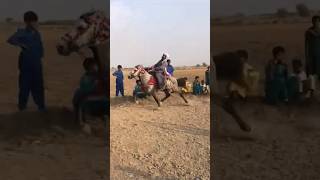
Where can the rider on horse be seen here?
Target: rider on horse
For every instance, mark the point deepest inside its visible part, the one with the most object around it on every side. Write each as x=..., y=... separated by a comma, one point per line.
x=160, y=70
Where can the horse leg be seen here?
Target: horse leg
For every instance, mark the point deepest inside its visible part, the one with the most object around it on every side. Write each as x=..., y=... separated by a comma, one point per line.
x=82, y=116
x=156, y=99
x=167, y=95
x=228, y=106
x=77, y=115
x=182, y=96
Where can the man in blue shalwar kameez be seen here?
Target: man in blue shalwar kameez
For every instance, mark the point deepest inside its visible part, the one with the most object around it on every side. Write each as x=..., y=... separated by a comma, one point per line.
x=119, y=81
x=30, y=65
x=312, y=50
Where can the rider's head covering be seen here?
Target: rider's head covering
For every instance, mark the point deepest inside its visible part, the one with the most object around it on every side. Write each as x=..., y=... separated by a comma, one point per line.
x=166, y=54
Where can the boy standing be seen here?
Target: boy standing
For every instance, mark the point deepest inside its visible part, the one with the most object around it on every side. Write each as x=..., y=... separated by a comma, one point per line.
x=119, y=81
x=197, y=88
x=276, y=77
x=30, y=65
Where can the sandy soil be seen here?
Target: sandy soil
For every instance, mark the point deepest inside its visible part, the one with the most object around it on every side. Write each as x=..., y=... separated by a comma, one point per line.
x=284, y=142
x=45, y=146
x=167, y=143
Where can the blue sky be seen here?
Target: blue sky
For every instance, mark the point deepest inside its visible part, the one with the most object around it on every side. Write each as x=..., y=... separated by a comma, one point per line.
x=141, y=30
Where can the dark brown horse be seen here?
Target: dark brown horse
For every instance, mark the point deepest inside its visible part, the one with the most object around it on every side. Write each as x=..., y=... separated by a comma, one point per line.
x=226, y=66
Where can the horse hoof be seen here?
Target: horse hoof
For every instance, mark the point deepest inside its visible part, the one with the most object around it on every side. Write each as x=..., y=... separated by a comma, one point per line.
x=157, y=108
x=86, y=128
x=246, y=128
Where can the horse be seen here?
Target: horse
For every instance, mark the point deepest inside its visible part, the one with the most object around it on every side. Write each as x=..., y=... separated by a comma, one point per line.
x=226, y=66
x=92, y=32
x=150, y=86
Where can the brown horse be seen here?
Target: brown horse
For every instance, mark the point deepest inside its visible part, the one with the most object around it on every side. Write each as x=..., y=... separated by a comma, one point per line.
x=226, y=66
x=149, y=84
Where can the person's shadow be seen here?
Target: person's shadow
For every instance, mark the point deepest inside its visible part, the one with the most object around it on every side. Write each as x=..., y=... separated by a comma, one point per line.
x=35, y=123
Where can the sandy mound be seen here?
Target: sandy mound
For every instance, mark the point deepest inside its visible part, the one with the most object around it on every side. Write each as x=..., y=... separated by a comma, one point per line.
x=167, y=143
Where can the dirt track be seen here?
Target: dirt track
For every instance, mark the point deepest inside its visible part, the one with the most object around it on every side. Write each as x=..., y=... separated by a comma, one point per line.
x=284, y=143
x=167, y=143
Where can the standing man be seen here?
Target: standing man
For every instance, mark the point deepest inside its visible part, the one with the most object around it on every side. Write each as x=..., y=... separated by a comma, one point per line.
x=312, y=50
x=30, y=65
x=207, y=77
x=119, y=81
x=170, y=68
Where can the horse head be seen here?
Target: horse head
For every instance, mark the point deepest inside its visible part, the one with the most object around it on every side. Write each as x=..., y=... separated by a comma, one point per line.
x=92, y=29
x=136, y=72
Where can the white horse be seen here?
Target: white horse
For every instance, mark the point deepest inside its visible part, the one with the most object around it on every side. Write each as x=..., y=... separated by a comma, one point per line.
x=90, y=33
x=150, y=85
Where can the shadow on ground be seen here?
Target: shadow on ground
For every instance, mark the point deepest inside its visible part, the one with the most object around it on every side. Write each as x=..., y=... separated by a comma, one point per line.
x=182, y=129
x=132, y=172
x=35, y=123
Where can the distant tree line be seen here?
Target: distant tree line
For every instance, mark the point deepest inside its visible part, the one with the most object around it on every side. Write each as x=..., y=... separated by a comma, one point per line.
x=301, y=9
x=202, y=65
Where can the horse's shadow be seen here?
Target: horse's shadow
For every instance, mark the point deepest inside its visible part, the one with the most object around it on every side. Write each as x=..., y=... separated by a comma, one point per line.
x=141, y=174
x=181, y=129
x=35, y=123
x=118, y=101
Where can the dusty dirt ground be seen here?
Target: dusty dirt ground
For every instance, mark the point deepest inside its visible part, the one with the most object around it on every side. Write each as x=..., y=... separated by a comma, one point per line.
x=45, y=146
x=172, y=142
x=284, y=142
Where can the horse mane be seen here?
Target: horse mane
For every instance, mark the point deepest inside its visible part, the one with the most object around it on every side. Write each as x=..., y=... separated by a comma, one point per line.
x=98, y=18
x=86, y=15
